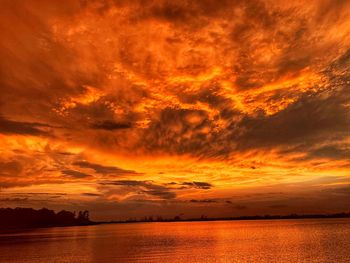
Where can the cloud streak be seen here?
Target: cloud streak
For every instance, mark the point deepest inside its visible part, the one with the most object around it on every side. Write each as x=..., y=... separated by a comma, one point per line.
x=101, y=169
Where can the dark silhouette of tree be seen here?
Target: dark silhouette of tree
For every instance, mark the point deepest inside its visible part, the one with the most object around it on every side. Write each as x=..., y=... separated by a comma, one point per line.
x=203, y=217
x=28, y=217
x=83, y=217
x=65, y=218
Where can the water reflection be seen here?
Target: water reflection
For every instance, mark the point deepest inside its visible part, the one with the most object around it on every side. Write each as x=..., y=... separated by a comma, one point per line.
x=225, y=241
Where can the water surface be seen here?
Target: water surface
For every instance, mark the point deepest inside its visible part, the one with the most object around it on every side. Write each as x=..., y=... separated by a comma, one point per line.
x=325, y=240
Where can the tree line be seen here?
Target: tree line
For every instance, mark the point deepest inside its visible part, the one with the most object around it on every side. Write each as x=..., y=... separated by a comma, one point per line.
x=29, y=217
x=254, y=217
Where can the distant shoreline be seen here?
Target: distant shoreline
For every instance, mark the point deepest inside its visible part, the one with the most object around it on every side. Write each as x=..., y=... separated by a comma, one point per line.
x=242, y=218
x=19, y=219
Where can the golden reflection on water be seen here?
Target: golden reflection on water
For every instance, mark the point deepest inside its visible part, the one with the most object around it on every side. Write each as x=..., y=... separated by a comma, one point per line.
x=221, y=241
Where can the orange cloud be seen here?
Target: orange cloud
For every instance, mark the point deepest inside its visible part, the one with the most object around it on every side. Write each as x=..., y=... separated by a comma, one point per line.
x=180, y=105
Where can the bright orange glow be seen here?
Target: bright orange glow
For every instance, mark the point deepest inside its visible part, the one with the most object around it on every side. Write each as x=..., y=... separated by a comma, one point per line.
x=242, y=106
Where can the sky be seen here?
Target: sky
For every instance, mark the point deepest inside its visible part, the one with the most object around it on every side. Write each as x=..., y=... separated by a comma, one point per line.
x=137, y=108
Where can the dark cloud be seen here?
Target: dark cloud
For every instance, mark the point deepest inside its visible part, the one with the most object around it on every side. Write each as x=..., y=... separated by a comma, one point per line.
x=75, y=174
x=309, y=119
x=91, y=194
x=29, y=197
x=66, y=153
x=42, y=194
x=161, y=193
x=177, y=130
x=146, y=187
x=101, y=169
x=10, y=168
x=203, y=201
x=22, y=128
x=322, y=116
x=330, y=152
x=186, y=13
x=200, y=185
x=128, y=183
x=111, y=125
x=312, y=117
x=187, y=185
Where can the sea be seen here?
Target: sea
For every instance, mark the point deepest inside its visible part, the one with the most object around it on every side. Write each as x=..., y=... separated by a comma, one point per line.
x=301, y=240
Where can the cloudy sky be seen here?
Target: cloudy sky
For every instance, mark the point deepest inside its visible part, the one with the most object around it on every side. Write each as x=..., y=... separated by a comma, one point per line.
x=134, y=108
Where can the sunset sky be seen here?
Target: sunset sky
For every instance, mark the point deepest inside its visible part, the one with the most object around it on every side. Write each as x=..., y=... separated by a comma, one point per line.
x=134, y=108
